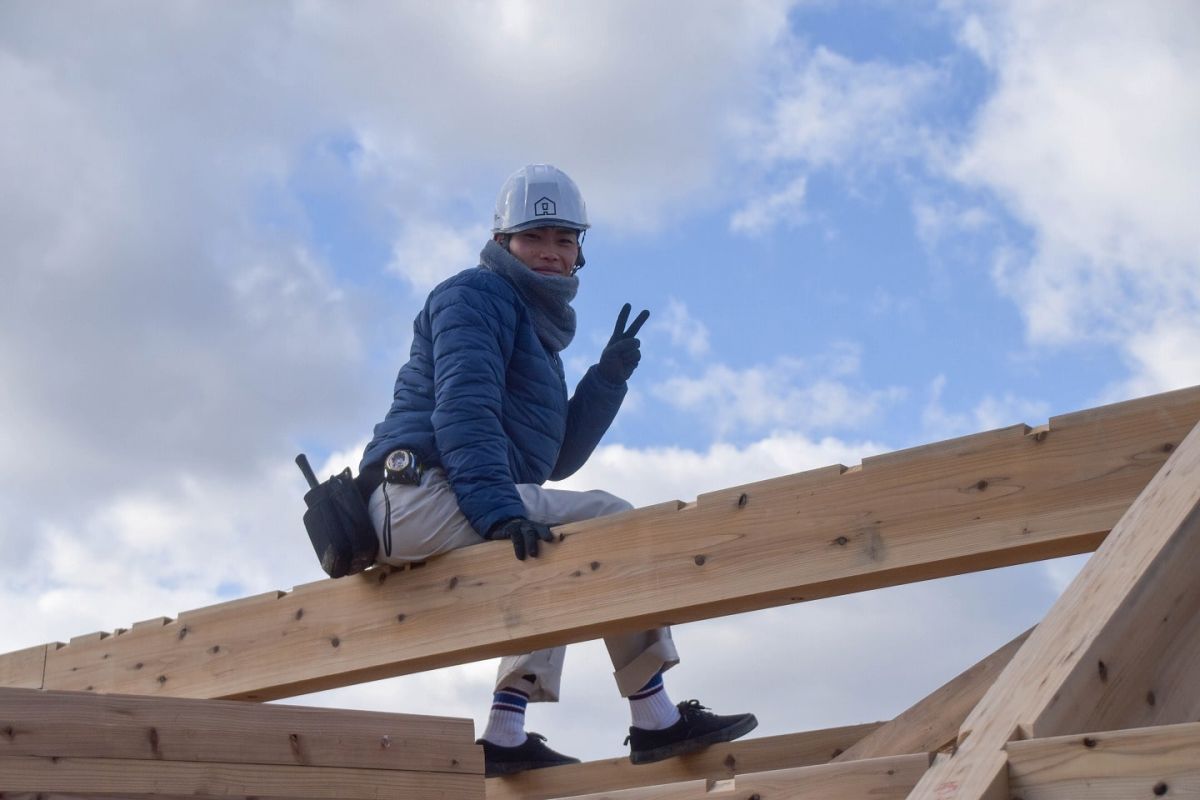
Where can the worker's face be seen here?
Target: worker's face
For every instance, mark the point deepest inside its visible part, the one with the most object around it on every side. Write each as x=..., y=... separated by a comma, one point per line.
x=546, y=251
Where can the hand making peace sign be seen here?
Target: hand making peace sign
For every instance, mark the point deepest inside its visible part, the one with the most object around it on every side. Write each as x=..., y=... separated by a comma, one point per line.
x=623, y=351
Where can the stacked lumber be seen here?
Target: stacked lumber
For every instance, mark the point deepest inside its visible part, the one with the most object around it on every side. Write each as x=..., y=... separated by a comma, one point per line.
x=84, y=745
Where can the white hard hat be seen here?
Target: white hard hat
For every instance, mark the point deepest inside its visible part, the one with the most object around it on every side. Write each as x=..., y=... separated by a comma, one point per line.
x=537, y=196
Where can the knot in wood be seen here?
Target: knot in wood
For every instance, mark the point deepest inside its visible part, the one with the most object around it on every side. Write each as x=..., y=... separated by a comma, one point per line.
x=299, y=614
x=1160, y=789
x=743, y=500
x=1089, y=742
x=700, y=560
x=335, y=641
x=1102, y=670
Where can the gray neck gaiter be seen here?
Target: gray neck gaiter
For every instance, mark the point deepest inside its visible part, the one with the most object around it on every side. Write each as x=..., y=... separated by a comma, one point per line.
x=547, y=297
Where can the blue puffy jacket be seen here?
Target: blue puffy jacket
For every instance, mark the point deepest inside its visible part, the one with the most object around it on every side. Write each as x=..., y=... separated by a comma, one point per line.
x=482, y=398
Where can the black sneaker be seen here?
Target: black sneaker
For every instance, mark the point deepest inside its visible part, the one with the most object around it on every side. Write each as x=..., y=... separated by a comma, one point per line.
x=532, y=754
x=696, y=729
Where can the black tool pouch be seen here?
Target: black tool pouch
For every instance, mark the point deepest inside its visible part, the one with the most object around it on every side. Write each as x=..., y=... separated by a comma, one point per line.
x=338, y=523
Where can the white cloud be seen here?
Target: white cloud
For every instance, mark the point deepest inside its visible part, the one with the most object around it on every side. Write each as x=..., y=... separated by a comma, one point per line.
x=468, y=112
x=828, y=112
x=684, y=330
x=763, y=213
x=171, y=303
x=987, y=414
x=1164, y=356
x=936, y=221
x=656, y=474
x=197, y=541
x=1089, y=140
x=789, y=393
x=429, y=252
x=831, y=109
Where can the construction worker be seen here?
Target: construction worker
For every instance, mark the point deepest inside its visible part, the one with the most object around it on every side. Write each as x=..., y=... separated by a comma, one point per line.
x=481, y=419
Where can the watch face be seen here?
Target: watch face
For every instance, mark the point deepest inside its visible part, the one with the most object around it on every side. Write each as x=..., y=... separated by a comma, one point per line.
x=398, y=460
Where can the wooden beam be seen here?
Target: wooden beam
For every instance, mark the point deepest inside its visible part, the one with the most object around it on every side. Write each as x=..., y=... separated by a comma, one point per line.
x=1168, y=693
x=1117, y=765
x=37, y=725
x=24, y=669
x=1099, y=643
x=719, y=762
x=888, y=778
x=979, y=502
x=131, y=778
x=932, y=723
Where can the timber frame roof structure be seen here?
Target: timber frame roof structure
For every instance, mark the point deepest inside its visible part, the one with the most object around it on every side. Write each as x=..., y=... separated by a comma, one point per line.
x=1100, y=700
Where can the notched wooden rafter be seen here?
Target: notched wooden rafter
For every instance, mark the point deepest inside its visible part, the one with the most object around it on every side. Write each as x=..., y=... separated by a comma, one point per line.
x=978, y=502
x=1102, y=645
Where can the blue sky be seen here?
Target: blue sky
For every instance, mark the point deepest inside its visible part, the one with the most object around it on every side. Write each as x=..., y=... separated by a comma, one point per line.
x=858, y=227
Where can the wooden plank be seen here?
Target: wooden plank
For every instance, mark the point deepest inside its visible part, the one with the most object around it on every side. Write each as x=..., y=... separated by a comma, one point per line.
x=983, y=502
x=24, y=668
x=888, y=778
x=1169, y=694
x=719, y=762
x=932, y=723
x=128, y=777
x=1116, y=765
x=83, y=725
x=1099, y=642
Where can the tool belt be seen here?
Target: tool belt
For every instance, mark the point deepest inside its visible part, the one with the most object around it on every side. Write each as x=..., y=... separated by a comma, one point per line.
x=338, y=523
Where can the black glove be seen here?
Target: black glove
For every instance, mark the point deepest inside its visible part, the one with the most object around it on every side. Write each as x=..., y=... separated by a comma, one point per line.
x=623, y=352
x=524, y=533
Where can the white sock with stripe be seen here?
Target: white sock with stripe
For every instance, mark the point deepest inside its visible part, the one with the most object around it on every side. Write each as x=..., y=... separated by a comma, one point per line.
x=506, y=722
x=651, y=707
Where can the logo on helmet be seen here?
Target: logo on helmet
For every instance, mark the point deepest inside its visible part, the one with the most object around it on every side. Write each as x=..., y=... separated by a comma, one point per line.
x=544, y=208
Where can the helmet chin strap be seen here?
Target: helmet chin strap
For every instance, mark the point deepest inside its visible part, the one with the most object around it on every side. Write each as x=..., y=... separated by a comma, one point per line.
x=579, y=259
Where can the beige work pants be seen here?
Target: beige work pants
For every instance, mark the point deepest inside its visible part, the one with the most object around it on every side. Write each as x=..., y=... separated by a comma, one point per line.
x=426, y=522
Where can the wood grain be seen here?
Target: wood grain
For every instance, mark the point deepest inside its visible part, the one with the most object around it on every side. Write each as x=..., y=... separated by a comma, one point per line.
x=973, y=503
x=1104, y=638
